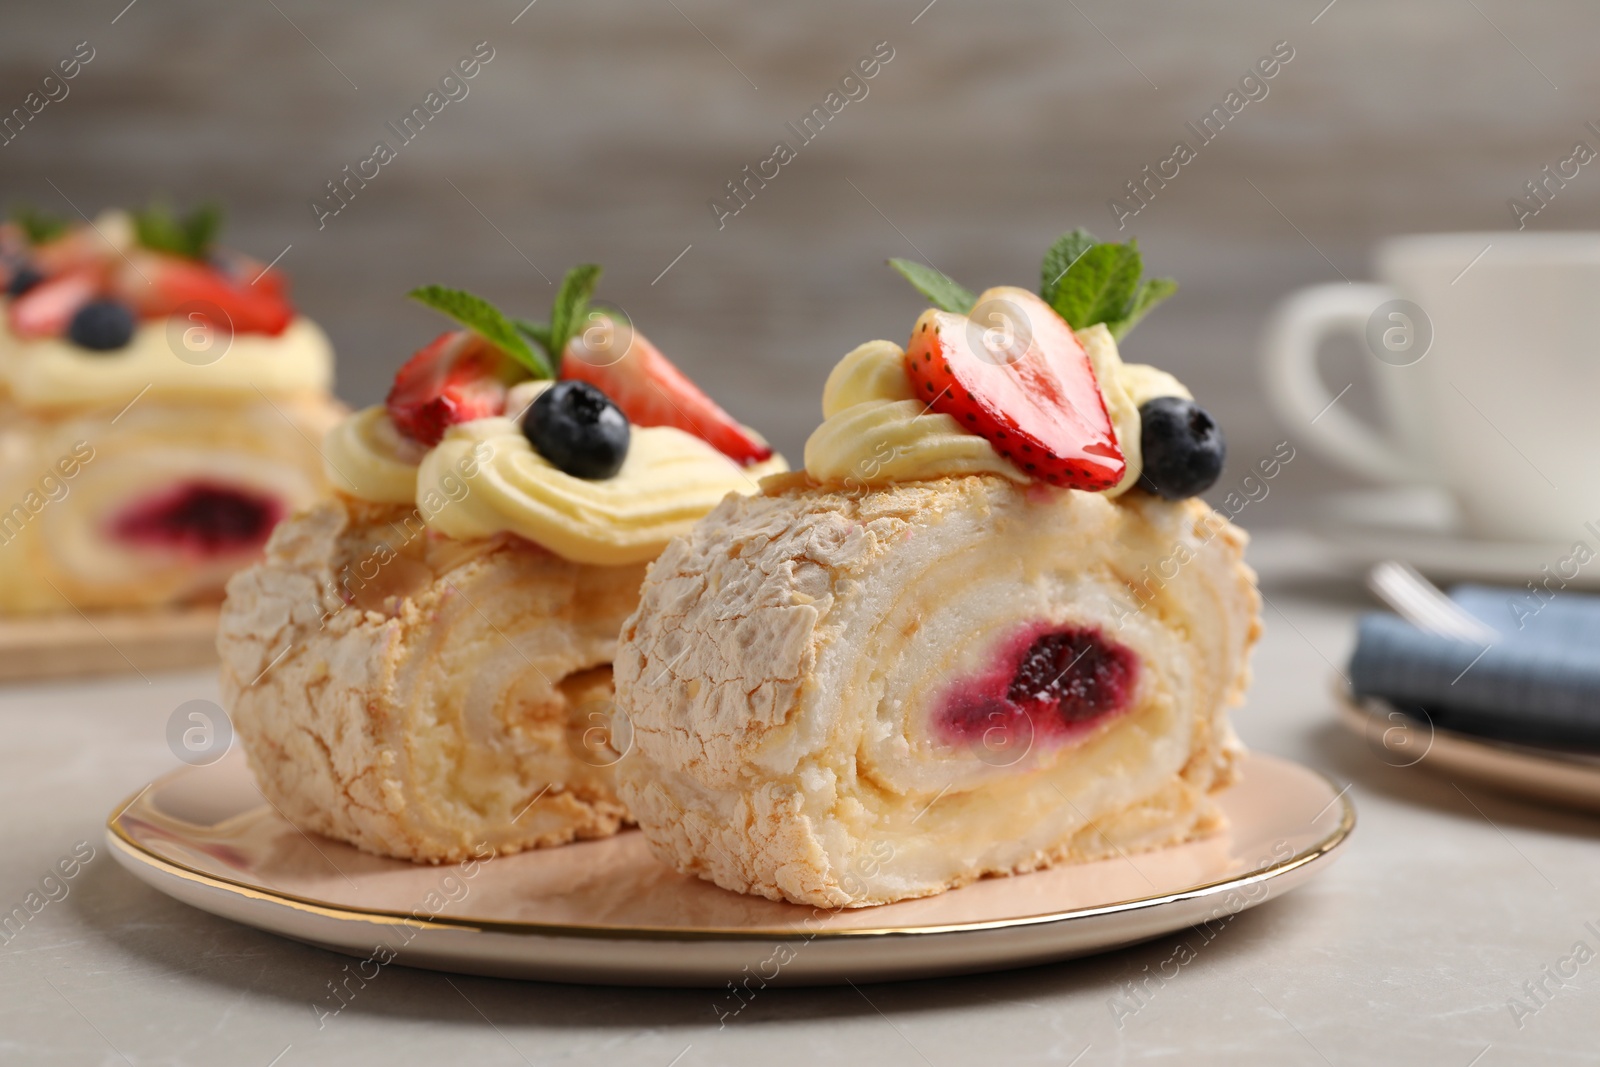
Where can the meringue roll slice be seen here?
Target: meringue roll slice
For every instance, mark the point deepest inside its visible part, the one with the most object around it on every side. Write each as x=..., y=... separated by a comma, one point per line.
x=981, y=633
x=422, y=697
x=150, y=507
x=160, y=400
x=422, y=666
x=844, y=699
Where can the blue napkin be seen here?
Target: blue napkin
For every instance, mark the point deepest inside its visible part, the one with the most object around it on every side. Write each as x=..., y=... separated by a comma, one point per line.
x=1538, y=683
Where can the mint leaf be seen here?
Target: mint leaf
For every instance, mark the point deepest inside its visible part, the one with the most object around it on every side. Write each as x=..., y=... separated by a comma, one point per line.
x=537, y=332
x=1088, y=282
x=485, y=320
x=1067, y=250
x=191, y=237
x=1149, y=295
x=202, y=227
x=38, y=226
x=1099, y=286
x=570, y=307
x=946, y=293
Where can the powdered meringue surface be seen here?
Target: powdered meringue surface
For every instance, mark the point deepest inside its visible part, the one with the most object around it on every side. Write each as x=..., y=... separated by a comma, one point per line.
x=788, y=659
x=420, y=697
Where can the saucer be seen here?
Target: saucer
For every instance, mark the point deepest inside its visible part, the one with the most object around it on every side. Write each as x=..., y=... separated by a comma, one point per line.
x=1416, y=525
x=1548, y=775
x=609, y=912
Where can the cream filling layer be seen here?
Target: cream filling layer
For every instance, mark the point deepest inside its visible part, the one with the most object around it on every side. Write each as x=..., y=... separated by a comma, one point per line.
x=485, y=478
x=366, y=457
x=875, y=432
x=172, y=358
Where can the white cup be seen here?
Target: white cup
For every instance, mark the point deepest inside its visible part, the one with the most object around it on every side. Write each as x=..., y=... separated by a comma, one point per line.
x=1486, y=354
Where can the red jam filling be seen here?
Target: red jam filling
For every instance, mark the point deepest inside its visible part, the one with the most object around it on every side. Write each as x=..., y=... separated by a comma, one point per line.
x=200, y=519
x=1049, y=684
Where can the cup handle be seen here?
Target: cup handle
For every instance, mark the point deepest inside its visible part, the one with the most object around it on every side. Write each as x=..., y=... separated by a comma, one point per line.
x=1295, y=389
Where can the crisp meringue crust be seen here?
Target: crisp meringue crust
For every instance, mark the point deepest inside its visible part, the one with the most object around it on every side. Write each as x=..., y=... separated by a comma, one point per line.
x=784, y=668
x=421, y=697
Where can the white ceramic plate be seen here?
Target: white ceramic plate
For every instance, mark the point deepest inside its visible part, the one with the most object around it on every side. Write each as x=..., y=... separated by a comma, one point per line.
x=1549, y=775
x=1415, y=525
x=608, y=912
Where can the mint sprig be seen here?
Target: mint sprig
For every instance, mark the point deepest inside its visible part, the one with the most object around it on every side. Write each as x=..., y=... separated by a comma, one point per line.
x=571, y=307
x=537, y=332
x=38, y=226
x=945, y=292
x=485, y=320
x=1085, y=280
x=1068, y=249
x=1088, y=281
x=1147, y=296
x=190, y=236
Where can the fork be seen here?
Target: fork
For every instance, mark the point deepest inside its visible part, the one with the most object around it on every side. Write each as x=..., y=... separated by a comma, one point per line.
x=1423, y=605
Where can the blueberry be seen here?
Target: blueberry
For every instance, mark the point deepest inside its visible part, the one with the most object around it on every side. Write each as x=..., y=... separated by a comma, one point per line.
x=1182, y=445
x=24, y=279
x=578, y=429
x=102, y=325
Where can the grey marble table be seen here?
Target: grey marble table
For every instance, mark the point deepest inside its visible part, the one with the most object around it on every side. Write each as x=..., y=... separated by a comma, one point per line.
x=1412, y=948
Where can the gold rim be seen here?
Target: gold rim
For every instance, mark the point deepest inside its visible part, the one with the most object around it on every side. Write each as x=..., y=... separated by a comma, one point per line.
x=119, y=838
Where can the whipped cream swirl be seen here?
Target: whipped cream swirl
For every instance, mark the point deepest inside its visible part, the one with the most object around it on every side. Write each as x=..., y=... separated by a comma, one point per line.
x=484, y=478
x=53, y=372
x=875, y=432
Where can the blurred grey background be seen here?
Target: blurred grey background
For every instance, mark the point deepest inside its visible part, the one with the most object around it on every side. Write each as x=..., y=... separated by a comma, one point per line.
x=601, y=130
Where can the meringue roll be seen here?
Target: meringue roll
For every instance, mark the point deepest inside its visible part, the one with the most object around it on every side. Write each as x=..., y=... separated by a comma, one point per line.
x=421, y=667
x=843, y=698
x=941, y=653
x=422, y=697
x=158, y=416
x=158, y=507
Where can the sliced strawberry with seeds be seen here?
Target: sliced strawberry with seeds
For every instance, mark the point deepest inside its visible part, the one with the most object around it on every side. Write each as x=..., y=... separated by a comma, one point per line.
x=47, y=308
x=1016, y=375
x=457, y=378
x=158, y=285
x=621, y=363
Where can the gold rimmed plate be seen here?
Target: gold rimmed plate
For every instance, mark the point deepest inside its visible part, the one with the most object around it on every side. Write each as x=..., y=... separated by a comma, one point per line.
x=1568, y=779
x=609, y=912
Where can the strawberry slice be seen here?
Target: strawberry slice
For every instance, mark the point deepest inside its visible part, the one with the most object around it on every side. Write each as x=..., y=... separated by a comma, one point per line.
x=1016, y=375
x=13, y=242
x=243, y=270
x=621, y=363
x=158, y=285
x=458, y=377
x=47, y=308
x=79, y=248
